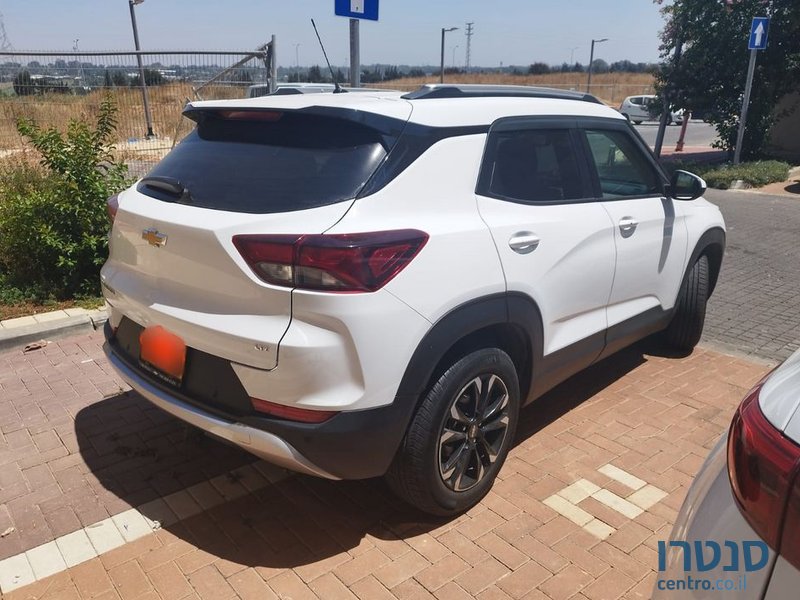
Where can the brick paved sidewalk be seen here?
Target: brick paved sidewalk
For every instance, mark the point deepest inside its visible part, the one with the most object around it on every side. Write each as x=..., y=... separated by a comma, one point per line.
x=599, y=470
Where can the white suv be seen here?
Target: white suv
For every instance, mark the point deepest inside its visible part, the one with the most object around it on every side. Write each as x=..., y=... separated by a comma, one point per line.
x=356, y=285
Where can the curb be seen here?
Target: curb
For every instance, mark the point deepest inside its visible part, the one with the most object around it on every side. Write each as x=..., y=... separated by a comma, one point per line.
x=11, y=339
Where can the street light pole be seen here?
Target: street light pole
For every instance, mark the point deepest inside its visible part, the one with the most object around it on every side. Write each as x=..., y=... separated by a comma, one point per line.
x=142, y=81
x=441, y=70
x=591, y=60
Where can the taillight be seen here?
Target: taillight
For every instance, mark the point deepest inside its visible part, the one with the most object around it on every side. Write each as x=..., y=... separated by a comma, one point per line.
x=112, y=205
x=790, y=548
x=762, y=465
x=354, y=262
x=292, y=413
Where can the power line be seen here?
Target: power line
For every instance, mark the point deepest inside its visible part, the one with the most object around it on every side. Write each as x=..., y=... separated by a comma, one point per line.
x=469, y=33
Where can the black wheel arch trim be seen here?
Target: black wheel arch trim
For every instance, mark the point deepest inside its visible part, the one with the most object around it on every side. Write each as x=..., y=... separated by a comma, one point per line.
x=516, y=310
x=712, y=244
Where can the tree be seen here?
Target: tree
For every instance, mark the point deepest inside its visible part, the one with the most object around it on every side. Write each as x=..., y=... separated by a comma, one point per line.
x=315, y=75
x=108, y=82
x=538, y=68
x=710, y=75
x=23, y=84
x=151, y=78
x=599, y=66
x=119, y=79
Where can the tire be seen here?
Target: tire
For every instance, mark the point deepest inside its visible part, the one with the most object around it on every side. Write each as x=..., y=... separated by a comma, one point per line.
x=686, y=326
x=426, y=471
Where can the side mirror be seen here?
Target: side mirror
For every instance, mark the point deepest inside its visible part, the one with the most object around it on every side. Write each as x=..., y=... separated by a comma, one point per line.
x=686, y=186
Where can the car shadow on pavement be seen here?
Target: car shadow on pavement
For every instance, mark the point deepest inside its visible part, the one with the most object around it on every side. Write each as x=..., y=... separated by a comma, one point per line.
x=138, y=453
x=579, y=388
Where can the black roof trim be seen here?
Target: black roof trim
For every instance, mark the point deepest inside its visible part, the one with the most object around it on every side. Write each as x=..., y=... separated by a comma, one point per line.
x=448, y=90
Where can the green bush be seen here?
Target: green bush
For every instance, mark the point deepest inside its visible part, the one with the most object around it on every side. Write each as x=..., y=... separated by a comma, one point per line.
x=53, y=224
x=754, y=174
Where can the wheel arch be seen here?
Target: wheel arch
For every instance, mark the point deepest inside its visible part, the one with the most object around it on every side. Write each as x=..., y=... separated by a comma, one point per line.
x=712, y=245
x=509, y=321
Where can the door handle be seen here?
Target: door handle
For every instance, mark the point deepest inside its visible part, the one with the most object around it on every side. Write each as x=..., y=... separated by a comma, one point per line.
x=524, y=242
x=627, y=226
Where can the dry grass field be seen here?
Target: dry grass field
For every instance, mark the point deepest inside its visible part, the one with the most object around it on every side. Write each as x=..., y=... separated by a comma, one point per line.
x=167, y=101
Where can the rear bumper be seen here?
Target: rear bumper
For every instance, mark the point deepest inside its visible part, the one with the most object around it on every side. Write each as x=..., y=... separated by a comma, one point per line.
x=351, y=445
x=261, y=443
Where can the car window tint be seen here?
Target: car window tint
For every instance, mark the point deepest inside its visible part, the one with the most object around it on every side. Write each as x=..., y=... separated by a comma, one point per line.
x=636, y=100
x=270, y=162
x=536, y=165
x=622, y=167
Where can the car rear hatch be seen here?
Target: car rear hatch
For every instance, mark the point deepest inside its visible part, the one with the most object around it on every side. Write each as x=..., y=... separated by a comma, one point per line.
x=172, y=261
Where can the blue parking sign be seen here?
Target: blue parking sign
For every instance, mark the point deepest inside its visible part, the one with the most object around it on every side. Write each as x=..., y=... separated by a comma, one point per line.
x=758, y=33
x=357, y=9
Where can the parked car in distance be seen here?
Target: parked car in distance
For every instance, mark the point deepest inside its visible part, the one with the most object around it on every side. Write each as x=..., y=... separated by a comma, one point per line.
x=645, y=108
x=747, y=492
x=357, y=285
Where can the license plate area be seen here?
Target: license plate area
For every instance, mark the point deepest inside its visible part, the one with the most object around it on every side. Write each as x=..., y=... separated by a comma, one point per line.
x=162, y=354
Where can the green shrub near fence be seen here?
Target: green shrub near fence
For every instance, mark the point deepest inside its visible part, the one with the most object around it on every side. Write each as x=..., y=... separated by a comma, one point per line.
x=53, y=223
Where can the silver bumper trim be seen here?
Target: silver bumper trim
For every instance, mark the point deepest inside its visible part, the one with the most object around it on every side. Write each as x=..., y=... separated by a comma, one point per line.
x=261, y=443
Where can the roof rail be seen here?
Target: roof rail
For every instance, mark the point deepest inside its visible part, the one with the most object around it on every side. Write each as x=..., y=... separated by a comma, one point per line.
x=455, y=90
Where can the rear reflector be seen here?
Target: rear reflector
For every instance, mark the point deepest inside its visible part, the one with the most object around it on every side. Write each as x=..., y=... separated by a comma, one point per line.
x=291, y=413
x=762, y=466
x=355, y=262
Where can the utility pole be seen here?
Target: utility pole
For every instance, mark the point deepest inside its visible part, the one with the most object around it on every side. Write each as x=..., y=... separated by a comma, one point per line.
x=591, y=64
x=441, y=70
x=355, y=54
x=145, y=100
x=469, y=32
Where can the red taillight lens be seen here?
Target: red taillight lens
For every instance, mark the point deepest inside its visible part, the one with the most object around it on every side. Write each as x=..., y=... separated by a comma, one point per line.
x=292, y=413
x=762, y=464
x=790, y=547
x=357, y=262
x=112, y=205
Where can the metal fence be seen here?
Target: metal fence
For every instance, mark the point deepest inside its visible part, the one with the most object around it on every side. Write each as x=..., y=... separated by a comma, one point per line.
x=55, y=87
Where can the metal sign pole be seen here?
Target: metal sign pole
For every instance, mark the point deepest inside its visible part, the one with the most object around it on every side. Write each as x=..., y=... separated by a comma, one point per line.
x=748, y=88
x=355, y=54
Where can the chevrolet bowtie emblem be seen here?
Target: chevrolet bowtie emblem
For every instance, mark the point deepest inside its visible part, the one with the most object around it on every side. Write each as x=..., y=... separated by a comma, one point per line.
x=153, y=237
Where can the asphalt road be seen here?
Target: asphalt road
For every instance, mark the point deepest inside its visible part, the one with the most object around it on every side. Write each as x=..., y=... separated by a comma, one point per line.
x=754, y=309
x=697, y=134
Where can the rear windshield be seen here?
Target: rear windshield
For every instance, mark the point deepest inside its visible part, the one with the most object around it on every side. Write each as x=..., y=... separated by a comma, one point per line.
x=269, y=162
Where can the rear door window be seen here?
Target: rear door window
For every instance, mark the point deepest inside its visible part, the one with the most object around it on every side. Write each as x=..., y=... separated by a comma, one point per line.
x=269, y=162
x=532, y=166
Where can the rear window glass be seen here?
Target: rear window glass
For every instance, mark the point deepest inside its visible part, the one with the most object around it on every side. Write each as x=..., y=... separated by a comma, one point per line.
x=269, y=162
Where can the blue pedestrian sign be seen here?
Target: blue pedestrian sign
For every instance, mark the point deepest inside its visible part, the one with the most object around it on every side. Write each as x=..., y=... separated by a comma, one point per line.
x=357, y=9
x=758, y=33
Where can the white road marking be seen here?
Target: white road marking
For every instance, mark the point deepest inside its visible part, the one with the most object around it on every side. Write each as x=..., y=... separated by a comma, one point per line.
x=565, y=502
x=79, y=546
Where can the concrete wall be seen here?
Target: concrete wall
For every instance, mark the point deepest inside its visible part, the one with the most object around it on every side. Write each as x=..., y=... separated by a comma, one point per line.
x=785, y=135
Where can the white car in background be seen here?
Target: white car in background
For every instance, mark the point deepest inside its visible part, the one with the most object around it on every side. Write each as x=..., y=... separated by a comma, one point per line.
x=643, y=108
x=743, y=508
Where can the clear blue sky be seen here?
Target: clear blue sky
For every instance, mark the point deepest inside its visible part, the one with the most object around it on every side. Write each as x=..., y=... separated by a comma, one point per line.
x=508, y=31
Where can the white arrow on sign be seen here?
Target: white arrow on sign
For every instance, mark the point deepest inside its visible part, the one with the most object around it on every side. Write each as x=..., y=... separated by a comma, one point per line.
x=357, y=6
x=759, y=33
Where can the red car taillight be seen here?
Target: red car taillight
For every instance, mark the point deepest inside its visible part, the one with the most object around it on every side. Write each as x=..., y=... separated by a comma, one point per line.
x=763, y=466
x=292, y=413
x=353, y=262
